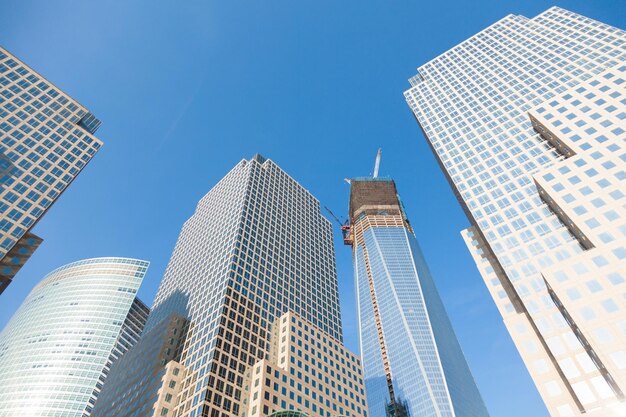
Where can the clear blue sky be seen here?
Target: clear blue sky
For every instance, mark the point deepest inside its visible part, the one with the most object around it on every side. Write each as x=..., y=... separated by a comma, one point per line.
x=186, y=89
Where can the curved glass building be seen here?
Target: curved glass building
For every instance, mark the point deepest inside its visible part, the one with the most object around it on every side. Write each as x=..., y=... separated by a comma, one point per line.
x=56, y=350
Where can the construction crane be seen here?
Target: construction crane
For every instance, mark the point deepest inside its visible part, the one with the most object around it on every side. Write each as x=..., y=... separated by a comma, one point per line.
x=345, y=227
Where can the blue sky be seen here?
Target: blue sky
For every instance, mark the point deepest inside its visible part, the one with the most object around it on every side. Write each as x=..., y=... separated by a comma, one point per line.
x=185, y=90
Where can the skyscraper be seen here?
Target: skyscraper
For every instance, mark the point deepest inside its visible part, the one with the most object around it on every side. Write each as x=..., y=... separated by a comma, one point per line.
x=255, y=248
x=46, y=139
x=58, y=347
x=413, y=364
x=527, y=119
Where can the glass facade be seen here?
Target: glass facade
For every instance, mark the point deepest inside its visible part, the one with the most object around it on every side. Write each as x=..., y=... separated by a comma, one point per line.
x=526, y=119
x=412, y=361
x=46, y=139
x=56, y=350
x=288, y=413
x=256, y=247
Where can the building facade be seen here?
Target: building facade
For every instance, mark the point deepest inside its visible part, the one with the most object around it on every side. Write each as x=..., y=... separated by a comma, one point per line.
x=127, y=337
x=307, y=371
x=146, y=381
x=46, y=139
x=58, y=347
x=412, y=360
x=255, y=248
x=527, y=119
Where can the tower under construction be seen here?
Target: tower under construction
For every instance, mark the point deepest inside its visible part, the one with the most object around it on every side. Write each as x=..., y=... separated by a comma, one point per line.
x=413, y=364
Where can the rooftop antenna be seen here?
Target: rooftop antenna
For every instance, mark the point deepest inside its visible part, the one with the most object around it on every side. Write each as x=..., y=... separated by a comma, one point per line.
x=377, y=165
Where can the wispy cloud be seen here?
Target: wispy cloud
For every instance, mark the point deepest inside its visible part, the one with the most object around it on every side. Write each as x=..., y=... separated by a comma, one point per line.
x=181, y=113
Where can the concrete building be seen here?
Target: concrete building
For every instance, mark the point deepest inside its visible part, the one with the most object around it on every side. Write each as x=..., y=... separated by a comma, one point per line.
x=412, y=360
x=57, y=349
x=256, y=248
x=307, y=371
x=527, y=119
x=46, y=139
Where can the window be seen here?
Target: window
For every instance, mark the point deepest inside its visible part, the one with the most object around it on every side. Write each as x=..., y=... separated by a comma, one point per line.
x=573, y=293
x=619, y=358
x=600, y=261
x=606, y=237
x=620, y=253
x=615, y=278
x=553, y=388
x=585, y=395
x=541, y=366
x=609, y=305
x=587, y=313
x=594, y=286
x=603, y=335
x=569, y=368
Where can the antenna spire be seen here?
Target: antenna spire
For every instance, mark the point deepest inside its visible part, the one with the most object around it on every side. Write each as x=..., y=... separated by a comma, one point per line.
x=377, y=165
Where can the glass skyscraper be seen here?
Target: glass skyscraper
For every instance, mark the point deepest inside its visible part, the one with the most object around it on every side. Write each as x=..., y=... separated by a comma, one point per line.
x=58, y=347
x=46, y=139
x=412, y=361
x=527, y=120
x=255, y=248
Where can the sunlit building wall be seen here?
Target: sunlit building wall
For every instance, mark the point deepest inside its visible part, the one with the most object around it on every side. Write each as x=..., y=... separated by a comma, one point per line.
x=256, y=247
x=46, y=139
x=527, y=120
x=308, y=371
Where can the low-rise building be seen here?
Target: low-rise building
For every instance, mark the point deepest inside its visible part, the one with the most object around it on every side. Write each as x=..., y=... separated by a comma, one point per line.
x=307, y=370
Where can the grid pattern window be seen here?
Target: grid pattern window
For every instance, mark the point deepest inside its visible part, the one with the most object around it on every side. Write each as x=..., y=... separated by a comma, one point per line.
x=43, y=147
x=57, y=348
x=255, y=248
x=527, y=121
x=307, y=371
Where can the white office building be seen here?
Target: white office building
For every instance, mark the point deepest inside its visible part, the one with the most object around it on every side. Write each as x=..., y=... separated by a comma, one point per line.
x=527, y=120
x=256, y=248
